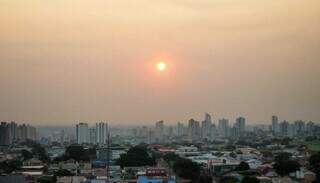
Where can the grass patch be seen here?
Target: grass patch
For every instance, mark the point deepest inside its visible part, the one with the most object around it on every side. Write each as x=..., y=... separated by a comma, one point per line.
x=314, y=146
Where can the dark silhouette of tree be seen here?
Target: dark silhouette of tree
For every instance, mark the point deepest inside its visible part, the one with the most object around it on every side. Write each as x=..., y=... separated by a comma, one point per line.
x=77, y=153
x=37, y=150
x=10, y=165
x=284, y=165
x=47, y=179
x=284, y=156
x=243, y=166
x=26, y=155
x=187, y=169
x=229, y=180
x=205, y=179
x=248, y=179
x=63, y=172
x=314, y=162
x=136, y=156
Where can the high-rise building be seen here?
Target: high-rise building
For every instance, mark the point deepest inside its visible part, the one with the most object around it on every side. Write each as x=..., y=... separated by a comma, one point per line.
x=194, y=132
x=241, y=125
x=82, y=133
x=159, y=131
x=92, y=136
x=299, y=127
x=180, y=129
x=101, y=133
x=275, y=125
x=223, y=127
x=11, y=132
x=4, y=134
x=284, y=128
x=206, y=127
x=310, y=128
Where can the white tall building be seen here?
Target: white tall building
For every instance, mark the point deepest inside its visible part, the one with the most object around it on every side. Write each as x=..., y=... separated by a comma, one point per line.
x=101, y=133
x=82, y=132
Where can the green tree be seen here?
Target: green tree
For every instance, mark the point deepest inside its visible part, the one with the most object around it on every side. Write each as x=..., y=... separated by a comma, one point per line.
x=47, y=179
x=187, y=169
x=136, y=156
x=284, y=156
x=248, y=179
x=77, y=153
x=63, y=172
x=243, y=166
x=10, y=165
x=26, y=154
x=184, y=168
x=229, y=180
x=314, y=162
x=40, y=151
x=284, y=165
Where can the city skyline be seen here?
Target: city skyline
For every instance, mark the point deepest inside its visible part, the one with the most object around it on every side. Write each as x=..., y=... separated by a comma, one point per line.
x=139, y=62
x=205, y=117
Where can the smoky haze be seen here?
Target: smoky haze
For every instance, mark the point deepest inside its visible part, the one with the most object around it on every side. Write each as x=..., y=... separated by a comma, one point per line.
x=68, y=61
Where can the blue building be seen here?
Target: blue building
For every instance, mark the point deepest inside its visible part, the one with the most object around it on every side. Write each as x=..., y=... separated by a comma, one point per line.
x=145, y=179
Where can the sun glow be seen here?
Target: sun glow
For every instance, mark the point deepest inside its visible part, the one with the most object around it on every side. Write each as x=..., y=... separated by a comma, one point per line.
x=161, y=66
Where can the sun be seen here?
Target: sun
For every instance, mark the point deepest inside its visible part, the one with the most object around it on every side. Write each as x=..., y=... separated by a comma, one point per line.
x=161, y=66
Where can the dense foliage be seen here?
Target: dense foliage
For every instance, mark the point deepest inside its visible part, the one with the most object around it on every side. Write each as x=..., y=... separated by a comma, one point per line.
x=136, y=156
x=9, y=166
x=248, y=179
x=314, y=162
x=37, y=151
x=26, y=155
x=63, y=172
x=243, y=166
x=78, y=153
x=284, y=165
x=184, y=168
x=229, y=180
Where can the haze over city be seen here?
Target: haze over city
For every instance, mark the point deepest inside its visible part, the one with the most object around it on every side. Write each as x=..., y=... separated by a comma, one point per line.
x=137, y=62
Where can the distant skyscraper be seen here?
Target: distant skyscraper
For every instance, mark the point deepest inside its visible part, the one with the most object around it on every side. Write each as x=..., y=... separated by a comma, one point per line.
x=11, y=132
x=159, y=131
x=180, y=129
x=284, y=128
x=223, y=127
x=299, y=127
x=310, y=128
x=92, y=136
x=194, y=131
x=101, y=133
x=275, y=125
x=241, y=125
x=206, y=128
x=82, y=133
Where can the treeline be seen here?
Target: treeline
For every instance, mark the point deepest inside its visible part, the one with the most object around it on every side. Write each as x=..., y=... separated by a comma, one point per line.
x=77, y=153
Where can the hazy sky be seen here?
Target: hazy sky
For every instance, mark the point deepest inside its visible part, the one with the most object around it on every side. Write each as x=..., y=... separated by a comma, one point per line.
x=64, y=61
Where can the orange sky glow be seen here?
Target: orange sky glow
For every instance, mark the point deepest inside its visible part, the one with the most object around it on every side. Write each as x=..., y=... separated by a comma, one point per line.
x=67, y=61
